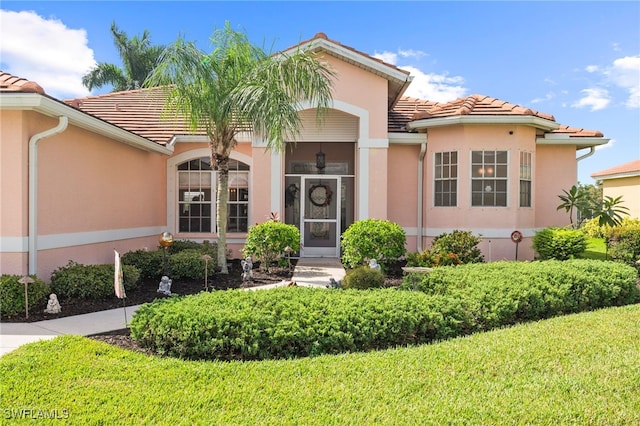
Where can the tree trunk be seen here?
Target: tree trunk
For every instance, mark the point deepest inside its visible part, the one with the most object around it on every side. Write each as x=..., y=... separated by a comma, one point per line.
x=221, y=216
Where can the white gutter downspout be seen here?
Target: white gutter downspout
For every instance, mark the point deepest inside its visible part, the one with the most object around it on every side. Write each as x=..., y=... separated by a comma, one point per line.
x=592, y=150
x=33, y=189
x=423, y=151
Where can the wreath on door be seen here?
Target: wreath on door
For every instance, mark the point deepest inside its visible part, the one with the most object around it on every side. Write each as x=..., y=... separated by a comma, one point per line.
x=320, y=195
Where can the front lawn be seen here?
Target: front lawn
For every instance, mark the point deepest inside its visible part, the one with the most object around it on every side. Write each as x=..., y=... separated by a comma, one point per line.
x=596, y=249
x=576, y=369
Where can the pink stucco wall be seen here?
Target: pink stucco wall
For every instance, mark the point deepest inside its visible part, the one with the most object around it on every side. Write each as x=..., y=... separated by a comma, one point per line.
x=554, y=168
x=359, y=87
x=88, y=187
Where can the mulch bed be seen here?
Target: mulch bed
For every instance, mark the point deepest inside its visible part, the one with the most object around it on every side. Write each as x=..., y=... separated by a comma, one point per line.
x=148, y=292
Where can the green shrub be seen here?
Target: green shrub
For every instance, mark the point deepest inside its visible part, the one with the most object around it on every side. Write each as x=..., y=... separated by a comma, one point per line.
x=270, y=241
x=503, y=293
x=458, y=247
x=624, y=245
x=189, y=265
x=292, y=322
x=594, y=230
x=91, y=281
x=204, y=247
x=12, y=294
x=149, y=263
x=363, y=278
x=376, y=239
x=559, y=243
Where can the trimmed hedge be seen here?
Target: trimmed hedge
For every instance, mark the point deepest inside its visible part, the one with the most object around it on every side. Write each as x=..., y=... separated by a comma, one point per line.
x=12, y=294
x=91, y=281
x=288, y=323
x=559, y=243
x=294, y=322
x=504, y=293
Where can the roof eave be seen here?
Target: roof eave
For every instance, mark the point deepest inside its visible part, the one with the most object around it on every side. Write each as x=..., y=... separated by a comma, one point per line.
x=526, y=120
x=54, y=108
x=580, y=142
x=622, y=175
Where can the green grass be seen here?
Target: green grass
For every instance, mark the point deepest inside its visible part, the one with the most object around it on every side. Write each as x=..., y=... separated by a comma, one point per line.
x=578, y=369
x=596, y=249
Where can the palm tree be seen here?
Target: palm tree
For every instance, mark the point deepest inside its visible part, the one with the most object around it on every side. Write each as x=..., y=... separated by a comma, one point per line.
x=238, y=87
x=575, y=198
x=138, y=58
x=611, y=211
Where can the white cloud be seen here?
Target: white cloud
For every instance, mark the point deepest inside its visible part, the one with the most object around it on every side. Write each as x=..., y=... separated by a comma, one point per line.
x=595, y=98
x=547, y=97
x=410, y=53
x=592, y=68
x=429, y=86
x=434, y=87
x=606, y=145
x=625, y=74
x=45, y=51
x=388, y=57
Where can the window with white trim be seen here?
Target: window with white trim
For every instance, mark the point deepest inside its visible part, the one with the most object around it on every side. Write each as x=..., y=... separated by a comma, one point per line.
x=197, y=196
x=445, y=193
x=489, y=178
x=525, y=179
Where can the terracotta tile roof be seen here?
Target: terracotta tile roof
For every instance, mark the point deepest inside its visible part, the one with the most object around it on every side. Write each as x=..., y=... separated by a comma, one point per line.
x=577, y=132
x=138, y=111
x=478, y=105
x=409, y=109
x=11, y=83
x=632, y=167
x=404, y=110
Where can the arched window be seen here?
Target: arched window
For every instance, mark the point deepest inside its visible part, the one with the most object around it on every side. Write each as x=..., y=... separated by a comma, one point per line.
x=197, y=197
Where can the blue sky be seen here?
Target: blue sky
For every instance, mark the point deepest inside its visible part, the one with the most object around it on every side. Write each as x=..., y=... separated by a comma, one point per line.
x=579, y=61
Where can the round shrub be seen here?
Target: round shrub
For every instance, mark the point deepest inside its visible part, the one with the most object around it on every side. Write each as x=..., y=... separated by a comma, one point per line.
x=376, y=239
x=292, y=322
x=12, y=294
x=189, y=265
x=559, y=243
x=149, y=263
x=625, y=246
x=270, y=241
x=363, y=278
x=91, y=281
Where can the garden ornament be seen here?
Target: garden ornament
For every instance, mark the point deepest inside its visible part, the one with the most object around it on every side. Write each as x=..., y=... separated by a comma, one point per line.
x=53, y=306
x=373, y=264
x=165, y=286
x=247, y=269
x=334, y=284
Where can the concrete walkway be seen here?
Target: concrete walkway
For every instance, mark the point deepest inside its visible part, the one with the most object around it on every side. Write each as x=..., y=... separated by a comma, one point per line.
x=309, y=272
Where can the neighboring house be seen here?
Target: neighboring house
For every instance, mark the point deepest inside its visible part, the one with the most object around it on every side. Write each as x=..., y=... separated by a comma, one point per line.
x=86, y=176
x=622, y=181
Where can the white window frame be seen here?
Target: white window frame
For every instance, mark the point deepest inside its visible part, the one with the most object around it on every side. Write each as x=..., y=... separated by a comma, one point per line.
x=172, y=205
x=491, y=172
x=526, y=175
x=449, y=179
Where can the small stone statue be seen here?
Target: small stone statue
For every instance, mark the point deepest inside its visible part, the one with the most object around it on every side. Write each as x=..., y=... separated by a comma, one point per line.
x=334, y=284
x=247, y=269
x=53, y=306
x=165, y=286
x=373, y=264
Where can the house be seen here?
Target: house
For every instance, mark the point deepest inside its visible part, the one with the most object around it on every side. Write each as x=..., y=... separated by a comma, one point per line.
x=623, y=181
x=86, y=176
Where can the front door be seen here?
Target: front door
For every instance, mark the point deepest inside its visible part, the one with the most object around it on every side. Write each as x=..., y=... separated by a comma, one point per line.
x=320, y=202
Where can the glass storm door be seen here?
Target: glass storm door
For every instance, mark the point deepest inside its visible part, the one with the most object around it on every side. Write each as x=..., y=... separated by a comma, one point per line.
x=320, y=199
